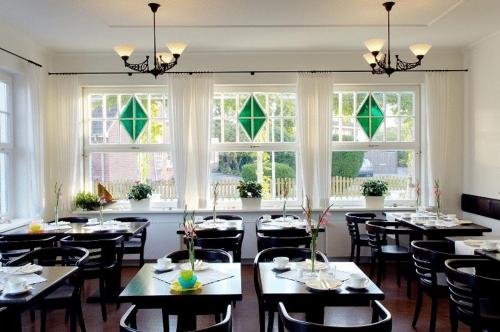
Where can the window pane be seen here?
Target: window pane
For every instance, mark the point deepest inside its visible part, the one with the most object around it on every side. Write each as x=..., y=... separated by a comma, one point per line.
x=96, y=102
x=274, y=170
x=3, y=97
x=4, y=127
x=391, y=104
x=119, y=170
x=351, y=168
x=112, y=107
x=348, y=104
x=3, y=183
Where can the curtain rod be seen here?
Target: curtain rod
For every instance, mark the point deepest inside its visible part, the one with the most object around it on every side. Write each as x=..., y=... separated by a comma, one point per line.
x=21, y=57
x=251, y=72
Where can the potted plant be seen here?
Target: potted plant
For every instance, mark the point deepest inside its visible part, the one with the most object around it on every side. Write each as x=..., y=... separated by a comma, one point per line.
x=374, y=192
x=250, y=194
x=139, y=195
x=86, y=201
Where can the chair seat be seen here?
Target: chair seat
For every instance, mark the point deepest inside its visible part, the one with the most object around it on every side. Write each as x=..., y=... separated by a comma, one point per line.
x=393, y=249
x=62, y=293
x=490, y=312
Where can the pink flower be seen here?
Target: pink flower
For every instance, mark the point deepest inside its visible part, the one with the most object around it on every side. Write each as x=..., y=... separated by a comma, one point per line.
x=324, y=221
x=308, y=228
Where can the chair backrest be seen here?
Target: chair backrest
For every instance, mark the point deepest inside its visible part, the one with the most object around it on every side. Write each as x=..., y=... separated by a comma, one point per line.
x=429, y=258
x=76, y=220
x=13, y=246
x=265, y=242
x=384, y=324
x=378, y=230
x=471, y=282
x=142, y=234
x=207, y=255
x=224, y=217
x=276, y=216
x=352, y=221
x=105, y=250
x=128, y=322
x=226, y=243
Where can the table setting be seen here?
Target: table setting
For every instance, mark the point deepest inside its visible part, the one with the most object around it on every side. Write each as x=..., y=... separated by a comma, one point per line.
x=288, y=221
x=94, y=225
x=431, y=219
x=17, y=280
x=469, y=246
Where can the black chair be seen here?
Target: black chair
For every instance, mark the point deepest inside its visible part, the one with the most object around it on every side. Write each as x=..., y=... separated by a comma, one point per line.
x=16, y=245
x=267, y=255
x=207, y=255
x=429, y=258
x=135, y=244
x=224, y=217
x=358, y=239
x=378, y=230
x=128, y=322
x=474, y=293
x=66, y=296
x=276, y=216
x=105, y=261
x=75, y=220
x=384, y=324
x=213, y=240
x=265, y=242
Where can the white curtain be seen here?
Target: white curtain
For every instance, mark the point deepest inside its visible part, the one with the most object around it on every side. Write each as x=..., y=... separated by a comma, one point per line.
x=29, y=145
x=190, y=105
x=314, y=101
x=443, y=136
x=64, y=141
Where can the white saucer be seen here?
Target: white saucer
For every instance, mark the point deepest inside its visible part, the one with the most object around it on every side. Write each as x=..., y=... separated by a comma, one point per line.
x=163, y=268
x=358, y=288
x=488, y=249
x=17, y=291
x=287, y=267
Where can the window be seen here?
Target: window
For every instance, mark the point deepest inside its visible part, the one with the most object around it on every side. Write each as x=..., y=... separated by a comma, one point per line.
x=375, y=134
x=271, y=158
x=6, y=145
x=112, y=157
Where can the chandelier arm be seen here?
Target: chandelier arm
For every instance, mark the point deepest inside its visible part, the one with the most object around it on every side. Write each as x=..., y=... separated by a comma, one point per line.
x=142, y=67
x=405, y=66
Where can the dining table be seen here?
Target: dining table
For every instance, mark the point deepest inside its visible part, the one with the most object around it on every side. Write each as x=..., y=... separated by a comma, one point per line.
x=297, y=297
x=149, y=289
x=15, y=304
x=441, y=229
x=220, y=226
x=467, y=245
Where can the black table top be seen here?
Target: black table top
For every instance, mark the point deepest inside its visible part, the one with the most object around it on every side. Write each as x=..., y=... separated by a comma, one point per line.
x=55, y=276
x=78, y=228
x=289, y=291
x=443, y=232
x=235, y=226
x=146, y=291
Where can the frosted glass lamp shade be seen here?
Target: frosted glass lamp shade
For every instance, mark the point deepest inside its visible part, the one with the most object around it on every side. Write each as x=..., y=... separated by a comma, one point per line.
x=420, y=49
x=165, y=56
x=374, y=45
x=124, y=50
x=176, y=48
x=369, y=58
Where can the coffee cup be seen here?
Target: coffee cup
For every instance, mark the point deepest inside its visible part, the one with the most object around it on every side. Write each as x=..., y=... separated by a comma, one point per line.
x=281, y=262
x=164, y=262
x=357, y=280
x=490, y=245
x=266, y=217
x=16, y=284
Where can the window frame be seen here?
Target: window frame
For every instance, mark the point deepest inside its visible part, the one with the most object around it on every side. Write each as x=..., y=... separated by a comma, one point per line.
x=8, y=148
x=136, y=147
x=259, y=146
x=415, y=146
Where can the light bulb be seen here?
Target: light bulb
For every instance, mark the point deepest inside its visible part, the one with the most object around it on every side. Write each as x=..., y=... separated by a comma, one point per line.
x=374, y=45
x=124, y=50
x=176, y=48
x=420, y=49
x=165, y=56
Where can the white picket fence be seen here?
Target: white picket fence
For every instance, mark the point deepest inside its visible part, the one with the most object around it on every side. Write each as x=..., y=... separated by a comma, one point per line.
x=348, y=188
x=120, y=188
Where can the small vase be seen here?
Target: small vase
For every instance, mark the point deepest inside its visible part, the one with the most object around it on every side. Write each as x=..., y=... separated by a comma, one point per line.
x=313, y=253
x=56, y=216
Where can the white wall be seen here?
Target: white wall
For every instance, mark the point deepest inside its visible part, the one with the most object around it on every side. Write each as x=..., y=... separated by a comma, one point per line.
x=482, y=119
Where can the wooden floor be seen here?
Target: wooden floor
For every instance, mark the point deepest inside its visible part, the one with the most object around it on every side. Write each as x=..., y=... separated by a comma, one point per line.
x=245, y=314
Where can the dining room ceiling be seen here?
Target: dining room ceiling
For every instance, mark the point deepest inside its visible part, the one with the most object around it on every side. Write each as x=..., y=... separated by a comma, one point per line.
x=257, y=25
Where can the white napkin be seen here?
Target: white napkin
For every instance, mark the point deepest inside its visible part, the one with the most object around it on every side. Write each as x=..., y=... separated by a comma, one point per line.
x=205, y=277
x=31, y=279
x=297, y=275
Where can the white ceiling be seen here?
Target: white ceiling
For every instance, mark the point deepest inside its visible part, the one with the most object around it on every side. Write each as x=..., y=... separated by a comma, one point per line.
x=250, y=25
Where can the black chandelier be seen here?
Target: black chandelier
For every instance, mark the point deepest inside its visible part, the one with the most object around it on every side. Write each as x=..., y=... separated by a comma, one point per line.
x=380, y=62
x=163, y=62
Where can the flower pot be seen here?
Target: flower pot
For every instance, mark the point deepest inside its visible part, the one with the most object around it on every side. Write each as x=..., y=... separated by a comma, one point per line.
x=250, y=203
x=374, y=202
x=138, y=205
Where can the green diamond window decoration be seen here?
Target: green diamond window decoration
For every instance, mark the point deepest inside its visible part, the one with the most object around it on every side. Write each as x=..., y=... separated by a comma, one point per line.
x=252, y=117
x=370, y=116
x=133, y=118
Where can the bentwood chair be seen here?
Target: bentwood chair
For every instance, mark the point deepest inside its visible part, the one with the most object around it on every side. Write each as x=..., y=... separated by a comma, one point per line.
x=265, y=242
x=267, y=255
x=75, y=220
x=135, y=244
x=429, y=258
x=474, y=293
x=104, y=263
x=224, y=217
x=66, y=296
x=211, y=240
x=13, y=246
x=128, y=322
x=358, y=239
x=378, y=231
x=384, y=324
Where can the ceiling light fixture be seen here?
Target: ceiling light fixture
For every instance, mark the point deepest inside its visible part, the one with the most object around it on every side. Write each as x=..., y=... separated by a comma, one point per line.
x=163, y=61
x=381, y=63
